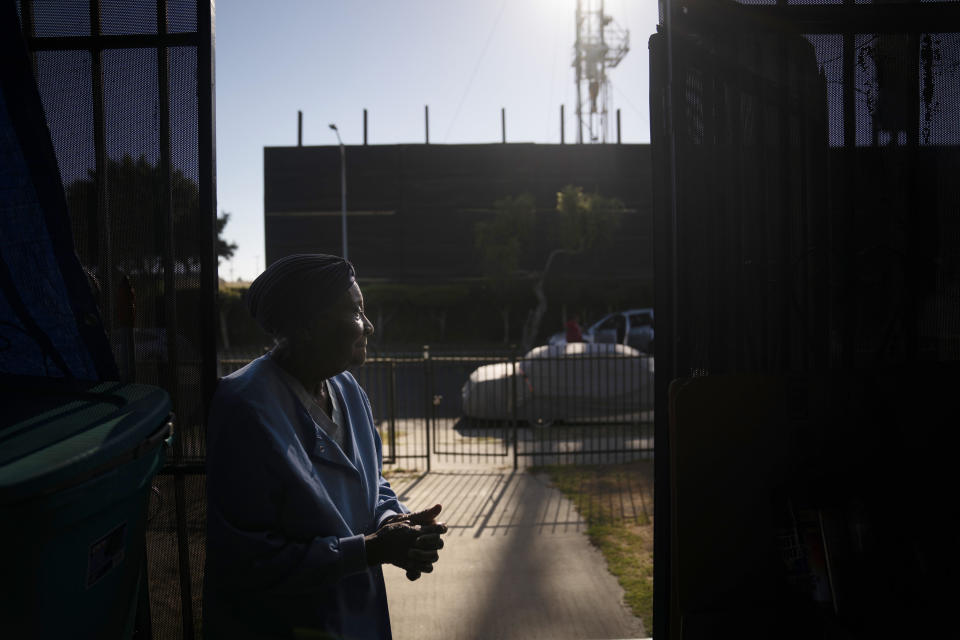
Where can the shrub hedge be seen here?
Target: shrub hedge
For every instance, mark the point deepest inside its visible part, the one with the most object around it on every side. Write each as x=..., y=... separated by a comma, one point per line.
x=467, y=313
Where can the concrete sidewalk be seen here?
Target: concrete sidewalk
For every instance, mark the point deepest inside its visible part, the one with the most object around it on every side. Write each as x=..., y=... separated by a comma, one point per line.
x=516, y=564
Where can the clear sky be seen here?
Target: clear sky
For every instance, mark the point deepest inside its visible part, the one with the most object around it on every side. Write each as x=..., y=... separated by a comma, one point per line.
x=464, y=58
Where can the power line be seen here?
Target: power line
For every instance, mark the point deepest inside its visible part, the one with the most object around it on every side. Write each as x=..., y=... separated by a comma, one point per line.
x=553, y=75
x=486, y=45
x=629, y=104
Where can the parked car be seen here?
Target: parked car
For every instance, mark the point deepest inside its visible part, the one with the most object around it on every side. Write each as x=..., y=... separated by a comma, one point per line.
x=571, y=382
x=633, y=328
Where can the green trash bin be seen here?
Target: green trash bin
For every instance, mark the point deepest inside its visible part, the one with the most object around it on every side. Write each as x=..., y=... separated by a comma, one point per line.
x=76, y=464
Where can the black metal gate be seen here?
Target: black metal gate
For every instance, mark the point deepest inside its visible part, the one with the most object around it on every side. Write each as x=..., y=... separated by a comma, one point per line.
x=599, y=410
x=127, y=91
x=805, y=218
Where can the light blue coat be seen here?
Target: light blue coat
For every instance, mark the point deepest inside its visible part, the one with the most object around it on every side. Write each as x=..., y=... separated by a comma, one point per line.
x=287, y=511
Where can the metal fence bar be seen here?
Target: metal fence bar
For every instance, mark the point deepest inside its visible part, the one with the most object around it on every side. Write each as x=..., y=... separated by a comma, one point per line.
x=171, y=323
x=428, y=405
x=207, y=199
x=513, y=410
x=604, y=420
x=392, y=409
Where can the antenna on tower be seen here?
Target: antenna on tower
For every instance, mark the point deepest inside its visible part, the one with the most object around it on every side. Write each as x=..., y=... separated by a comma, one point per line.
x=600, y=45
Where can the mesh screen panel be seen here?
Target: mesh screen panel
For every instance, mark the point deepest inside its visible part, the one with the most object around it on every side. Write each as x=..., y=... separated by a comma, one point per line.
x=181, y=16
x=864, y=206
x=63, y=79
x=60, y=18
x=163, y=571
x=125, y=115
x=808, y=223
x=939, y=88
x=131, y=118
x=190, y=241
x=120, y=17
x=751, y=132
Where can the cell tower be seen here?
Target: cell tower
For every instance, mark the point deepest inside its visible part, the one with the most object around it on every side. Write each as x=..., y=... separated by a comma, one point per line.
x=601, y=44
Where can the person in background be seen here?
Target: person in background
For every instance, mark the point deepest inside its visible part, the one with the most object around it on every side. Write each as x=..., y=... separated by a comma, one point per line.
x=299, y=517
x=574, y=333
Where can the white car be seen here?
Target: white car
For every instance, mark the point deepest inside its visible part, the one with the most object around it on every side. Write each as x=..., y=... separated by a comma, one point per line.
x=633, y=327
x=578, y=382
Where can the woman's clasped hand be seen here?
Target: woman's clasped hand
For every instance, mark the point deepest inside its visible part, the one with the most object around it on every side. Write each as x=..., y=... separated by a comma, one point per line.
x=410, y=541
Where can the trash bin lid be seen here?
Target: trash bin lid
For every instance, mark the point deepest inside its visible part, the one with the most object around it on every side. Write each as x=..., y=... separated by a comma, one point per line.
x=53, y=434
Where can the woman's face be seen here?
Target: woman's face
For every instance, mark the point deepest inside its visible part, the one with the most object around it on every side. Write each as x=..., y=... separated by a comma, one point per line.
x=339, y=338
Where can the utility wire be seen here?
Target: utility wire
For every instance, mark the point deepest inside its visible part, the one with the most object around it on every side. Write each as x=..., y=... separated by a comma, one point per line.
x=629, y=104
x=553, y=78
x=493, y=30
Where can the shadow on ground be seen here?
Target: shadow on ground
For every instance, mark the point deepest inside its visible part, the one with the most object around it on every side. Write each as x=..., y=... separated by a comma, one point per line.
x=517, y=564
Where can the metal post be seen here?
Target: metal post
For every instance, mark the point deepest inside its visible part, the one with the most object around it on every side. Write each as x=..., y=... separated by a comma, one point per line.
x=662, y=472
x=364, y=127
x=299, y=128
x=343, y=190
x=207, y=161
x=426, y=124
x=503, y=125
x=26, y=23
x=343, y=198
x=392, y=405
x=848, y=316
x=428, y=404
x=513, y=404
x=562, y=123
x=104, y=242
x=618, y=126
x=170, y=380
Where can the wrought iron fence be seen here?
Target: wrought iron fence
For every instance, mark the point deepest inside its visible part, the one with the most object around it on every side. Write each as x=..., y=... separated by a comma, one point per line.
x=566, y=404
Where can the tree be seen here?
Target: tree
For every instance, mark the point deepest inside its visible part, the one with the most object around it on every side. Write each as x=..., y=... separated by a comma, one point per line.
x=500, y=241
x=586, y=221
x=134, y=207
x=581, y=222
x=225, y=249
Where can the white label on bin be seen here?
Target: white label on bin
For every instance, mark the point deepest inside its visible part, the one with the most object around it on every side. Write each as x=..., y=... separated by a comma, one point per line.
x=105, y=554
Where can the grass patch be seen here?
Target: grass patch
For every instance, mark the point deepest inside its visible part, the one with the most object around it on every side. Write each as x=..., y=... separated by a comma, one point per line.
x=616, y=501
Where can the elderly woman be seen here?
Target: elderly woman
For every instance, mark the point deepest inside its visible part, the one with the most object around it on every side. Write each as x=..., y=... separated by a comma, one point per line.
x=299, y=516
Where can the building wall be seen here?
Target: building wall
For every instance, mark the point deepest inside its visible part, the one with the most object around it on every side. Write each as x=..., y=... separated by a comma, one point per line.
x=412, y=208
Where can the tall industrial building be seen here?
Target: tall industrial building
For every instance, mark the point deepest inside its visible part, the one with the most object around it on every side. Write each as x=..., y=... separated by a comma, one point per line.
x=412, y=209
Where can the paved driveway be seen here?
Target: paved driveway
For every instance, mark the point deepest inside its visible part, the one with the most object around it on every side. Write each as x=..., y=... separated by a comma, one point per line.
x=517, y=564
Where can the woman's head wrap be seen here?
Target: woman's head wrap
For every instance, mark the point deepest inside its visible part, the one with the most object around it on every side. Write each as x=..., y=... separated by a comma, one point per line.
x=298, y=284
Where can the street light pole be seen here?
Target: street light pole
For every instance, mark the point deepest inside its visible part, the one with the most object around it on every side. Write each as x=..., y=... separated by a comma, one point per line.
x=343, y=190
